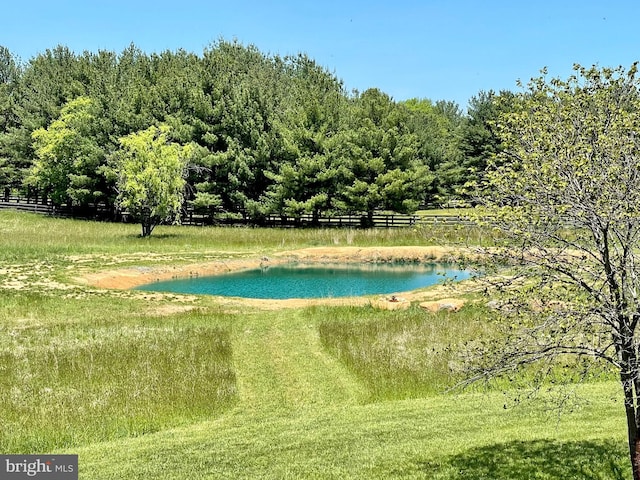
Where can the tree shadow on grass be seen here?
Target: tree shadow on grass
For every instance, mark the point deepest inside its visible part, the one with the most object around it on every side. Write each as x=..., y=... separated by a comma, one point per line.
x=153, y=236
x=540, y=459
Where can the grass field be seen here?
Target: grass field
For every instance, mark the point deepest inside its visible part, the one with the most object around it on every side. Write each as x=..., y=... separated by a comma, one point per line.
x=174, y=387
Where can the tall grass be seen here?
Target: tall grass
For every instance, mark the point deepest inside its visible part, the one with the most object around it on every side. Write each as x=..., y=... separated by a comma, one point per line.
x=402, y=354
x=416, y=353
x=63, y=385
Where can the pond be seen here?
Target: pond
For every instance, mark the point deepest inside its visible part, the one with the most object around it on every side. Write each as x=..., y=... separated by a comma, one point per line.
x=315, y=280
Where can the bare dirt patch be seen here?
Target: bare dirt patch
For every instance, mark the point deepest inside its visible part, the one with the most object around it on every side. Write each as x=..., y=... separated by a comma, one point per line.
x=372, y=254
x=125, y=278
x=451, y=304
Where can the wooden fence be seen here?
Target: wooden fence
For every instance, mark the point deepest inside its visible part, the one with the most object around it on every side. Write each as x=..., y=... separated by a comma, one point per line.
x=190, y=217
x=24, y=205
x=44, y=206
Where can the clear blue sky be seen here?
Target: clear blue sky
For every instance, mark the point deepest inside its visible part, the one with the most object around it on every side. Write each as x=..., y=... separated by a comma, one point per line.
x=437, y=49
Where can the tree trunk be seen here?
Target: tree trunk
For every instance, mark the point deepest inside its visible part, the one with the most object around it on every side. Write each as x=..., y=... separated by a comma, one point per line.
x=630, y=409
x=147, y=224
x=635, y=460
x=634, y=443
x=367, y=222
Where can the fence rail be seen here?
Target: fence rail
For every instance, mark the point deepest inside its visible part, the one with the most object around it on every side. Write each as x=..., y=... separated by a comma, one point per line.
x=19, y=204
x=191, y=217
x=434, y=220
x=44, y=206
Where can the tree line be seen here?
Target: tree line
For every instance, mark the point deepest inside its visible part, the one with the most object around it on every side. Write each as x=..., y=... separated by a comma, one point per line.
x=259, y=134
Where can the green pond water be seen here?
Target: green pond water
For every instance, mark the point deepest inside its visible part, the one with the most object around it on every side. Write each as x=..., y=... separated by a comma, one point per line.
x=315, y=280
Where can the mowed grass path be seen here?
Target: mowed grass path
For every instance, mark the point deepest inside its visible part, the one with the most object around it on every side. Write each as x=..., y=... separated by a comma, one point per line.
x=281, y=366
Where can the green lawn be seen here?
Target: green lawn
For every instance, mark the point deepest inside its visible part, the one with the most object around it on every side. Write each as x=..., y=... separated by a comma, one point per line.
x=446, y=212
x=180, y=387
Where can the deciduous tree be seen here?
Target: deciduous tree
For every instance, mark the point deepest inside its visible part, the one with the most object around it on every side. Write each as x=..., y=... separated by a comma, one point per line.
x=565, y=193
x=68, y=155
x=151, y=171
